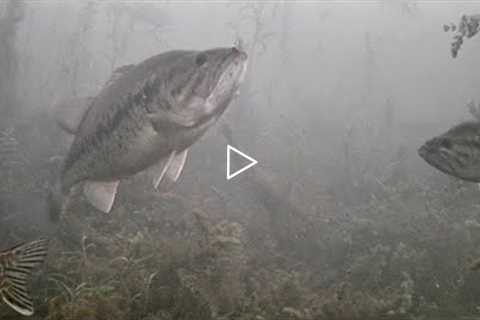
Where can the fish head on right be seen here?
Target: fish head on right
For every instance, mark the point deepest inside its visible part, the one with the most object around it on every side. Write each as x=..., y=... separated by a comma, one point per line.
x=456, y=152
x=203, y=83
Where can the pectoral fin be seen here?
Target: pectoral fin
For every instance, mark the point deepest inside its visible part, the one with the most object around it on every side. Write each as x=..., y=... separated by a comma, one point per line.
x=101, y=194
x=171, y=171
x=69, y=112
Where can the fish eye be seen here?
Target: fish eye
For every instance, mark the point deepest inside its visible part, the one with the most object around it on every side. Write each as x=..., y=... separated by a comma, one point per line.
x=200, y=59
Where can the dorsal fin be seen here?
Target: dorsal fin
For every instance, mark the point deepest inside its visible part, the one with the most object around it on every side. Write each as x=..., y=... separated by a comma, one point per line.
x=69, y=112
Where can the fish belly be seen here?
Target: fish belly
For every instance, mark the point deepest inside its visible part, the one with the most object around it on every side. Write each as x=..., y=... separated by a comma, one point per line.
x=129, y=150
x=119, y=156
x=186, y=137
x=149, y=147
x=140, y=152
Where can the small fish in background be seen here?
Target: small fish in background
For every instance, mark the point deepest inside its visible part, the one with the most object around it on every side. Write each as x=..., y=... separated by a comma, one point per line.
x=16, y=266
x=456, y=152
x=147, y=114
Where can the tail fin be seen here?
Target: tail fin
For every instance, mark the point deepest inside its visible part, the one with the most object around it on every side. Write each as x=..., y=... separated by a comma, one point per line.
x=22, y=259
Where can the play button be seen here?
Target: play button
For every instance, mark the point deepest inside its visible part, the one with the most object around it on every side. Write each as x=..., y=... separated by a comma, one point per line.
x=250, y=162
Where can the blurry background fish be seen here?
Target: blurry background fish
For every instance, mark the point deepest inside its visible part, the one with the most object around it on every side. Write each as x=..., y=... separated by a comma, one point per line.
x=456, y=152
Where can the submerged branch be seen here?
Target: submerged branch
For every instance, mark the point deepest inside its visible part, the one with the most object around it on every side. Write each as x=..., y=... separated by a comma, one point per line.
x=468, y=26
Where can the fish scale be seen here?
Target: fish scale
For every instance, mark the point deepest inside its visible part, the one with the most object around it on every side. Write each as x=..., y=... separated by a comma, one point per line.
x=147, y=114
x=129, y=112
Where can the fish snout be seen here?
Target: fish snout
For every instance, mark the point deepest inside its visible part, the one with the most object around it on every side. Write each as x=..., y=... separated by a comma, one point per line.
x=427, y=147
x=423, y=151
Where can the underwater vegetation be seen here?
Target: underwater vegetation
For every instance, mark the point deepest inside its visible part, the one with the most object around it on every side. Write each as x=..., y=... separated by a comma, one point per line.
x=379, y=241
x=399, y=252
x=466, y=28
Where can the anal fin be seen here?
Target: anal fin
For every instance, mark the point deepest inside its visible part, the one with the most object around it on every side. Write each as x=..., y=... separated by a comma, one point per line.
x=171, y=171
x=101, y=195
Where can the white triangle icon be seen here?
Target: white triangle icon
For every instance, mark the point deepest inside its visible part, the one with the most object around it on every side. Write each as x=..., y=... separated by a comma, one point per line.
x=253, y=162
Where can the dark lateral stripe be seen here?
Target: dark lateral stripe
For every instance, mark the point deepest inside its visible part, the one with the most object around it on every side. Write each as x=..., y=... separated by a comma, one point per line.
x=141, y=96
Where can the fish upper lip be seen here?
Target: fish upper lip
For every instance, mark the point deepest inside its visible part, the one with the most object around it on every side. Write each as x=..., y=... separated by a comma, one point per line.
x=243, y=62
